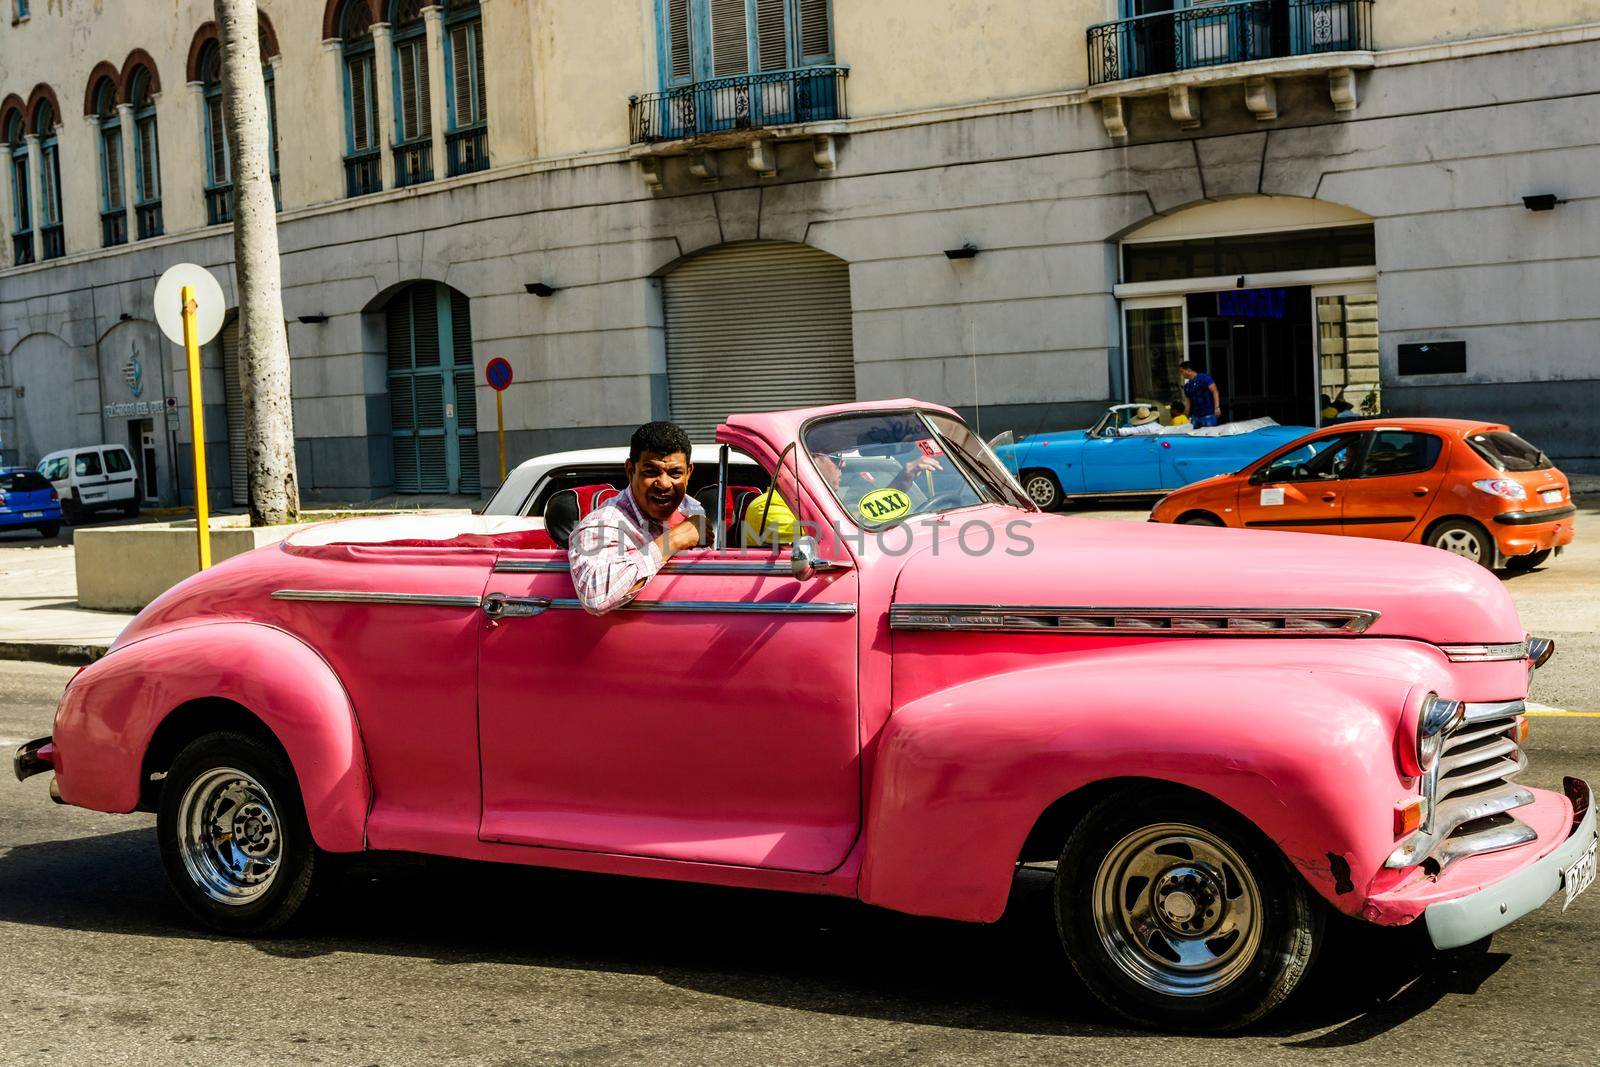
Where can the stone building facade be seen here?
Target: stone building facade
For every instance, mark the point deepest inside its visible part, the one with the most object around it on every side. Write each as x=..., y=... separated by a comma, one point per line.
x=675, y=208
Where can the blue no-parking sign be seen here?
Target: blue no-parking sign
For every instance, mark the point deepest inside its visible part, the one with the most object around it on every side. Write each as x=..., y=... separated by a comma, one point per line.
x=498, y=374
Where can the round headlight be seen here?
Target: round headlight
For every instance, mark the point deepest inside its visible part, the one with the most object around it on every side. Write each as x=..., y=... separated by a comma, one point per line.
x=1433, y=722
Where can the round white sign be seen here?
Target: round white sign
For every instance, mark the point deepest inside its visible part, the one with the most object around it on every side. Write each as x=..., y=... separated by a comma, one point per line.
x=211, y=307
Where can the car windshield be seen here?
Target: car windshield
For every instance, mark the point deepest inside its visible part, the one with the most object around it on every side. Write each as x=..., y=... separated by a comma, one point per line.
x=886, y=466
x=1507, y=452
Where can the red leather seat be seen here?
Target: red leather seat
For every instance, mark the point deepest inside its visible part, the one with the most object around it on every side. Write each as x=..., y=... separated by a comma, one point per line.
x=566, y=508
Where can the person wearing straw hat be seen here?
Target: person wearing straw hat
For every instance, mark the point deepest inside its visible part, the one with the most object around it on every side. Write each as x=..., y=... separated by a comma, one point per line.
x=1144, y=422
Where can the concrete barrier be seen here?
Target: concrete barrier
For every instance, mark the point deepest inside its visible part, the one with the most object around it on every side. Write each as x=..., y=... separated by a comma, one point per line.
x=123, y=568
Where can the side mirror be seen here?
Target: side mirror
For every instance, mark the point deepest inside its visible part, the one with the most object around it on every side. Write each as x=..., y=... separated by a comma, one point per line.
x=803, y=558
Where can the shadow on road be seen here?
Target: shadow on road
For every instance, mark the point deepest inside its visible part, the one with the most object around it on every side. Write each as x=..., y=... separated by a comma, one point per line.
x=807, y=953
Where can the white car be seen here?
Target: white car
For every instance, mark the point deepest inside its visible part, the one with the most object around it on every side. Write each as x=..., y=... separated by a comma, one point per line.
x=93, y=478
x=527, y=488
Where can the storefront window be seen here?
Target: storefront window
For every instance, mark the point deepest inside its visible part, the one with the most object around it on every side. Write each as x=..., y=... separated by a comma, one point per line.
x=1259, y=253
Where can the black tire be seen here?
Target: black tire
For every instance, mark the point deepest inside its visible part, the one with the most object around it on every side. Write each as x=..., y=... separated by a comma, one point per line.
x=71, y=511
x=49, y=530
x=1044, y=489
x=1201, y=518
x=131, y=508
x=1464, y=538
x=251, y=784
x=1249, y=901
x=1523, y=564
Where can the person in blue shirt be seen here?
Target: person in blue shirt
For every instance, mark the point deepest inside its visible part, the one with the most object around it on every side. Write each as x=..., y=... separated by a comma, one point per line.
x=1201, y=401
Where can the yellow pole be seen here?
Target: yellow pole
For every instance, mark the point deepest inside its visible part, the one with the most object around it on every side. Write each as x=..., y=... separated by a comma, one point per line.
x=202, y=514
x=500, y=425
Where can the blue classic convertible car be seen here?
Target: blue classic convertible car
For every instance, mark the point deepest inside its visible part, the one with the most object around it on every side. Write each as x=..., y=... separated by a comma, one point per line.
x=1118, y=457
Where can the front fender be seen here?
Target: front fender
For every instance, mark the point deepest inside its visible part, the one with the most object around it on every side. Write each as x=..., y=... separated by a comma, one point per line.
x=113, y=708
x=1304, y=751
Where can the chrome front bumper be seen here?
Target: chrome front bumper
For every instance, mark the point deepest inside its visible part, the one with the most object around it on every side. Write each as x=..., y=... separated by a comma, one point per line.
x=1453, y=923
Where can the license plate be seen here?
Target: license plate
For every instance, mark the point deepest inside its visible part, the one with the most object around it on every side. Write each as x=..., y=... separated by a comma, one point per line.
x=1580, y=875
x=1551, y=496
x=33, y=514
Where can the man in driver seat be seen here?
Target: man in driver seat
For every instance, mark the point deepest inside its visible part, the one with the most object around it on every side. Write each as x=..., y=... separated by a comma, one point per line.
x=618, y=547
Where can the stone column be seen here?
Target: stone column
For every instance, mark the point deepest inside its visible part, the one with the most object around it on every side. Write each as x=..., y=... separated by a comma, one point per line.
x=130, y=181
x=383, y=79
x=438, y=106
x=6, y=205
x=35, y=195
x=88, y=233
x=323, y=129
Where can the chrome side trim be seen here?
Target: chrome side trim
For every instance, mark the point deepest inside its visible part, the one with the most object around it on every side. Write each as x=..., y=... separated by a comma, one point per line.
x=756, y=568
x=1174, y=622
x=352, y=596
x=1485, y=653
x=721, y=607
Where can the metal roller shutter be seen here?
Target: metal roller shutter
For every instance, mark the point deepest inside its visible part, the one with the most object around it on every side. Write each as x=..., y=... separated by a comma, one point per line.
x=757, y=327
x=238, y=428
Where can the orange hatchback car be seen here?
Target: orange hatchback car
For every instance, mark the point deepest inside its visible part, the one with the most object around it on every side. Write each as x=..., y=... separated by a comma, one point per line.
x=1472, y=488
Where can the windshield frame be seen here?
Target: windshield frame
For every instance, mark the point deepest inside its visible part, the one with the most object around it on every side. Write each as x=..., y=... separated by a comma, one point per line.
x=985, y=492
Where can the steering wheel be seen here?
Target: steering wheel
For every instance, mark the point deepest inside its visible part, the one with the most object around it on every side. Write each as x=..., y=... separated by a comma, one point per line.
x=944, y=499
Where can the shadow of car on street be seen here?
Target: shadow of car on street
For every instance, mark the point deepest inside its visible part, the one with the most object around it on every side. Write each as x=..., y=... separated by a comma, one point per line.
x=812, y=954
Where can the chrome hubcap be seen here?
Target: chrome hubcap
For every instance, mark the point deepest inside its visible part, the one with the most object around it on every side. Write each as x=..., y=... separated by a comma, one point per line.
x=1177, y=910
x=1040, y=491
x=1460, y=543
x=229, y=836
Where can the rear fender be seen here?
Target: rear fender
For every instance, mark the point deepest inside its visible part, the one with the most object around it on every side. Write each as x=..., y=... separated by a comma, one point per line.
x=964, y=774
x=113, y=708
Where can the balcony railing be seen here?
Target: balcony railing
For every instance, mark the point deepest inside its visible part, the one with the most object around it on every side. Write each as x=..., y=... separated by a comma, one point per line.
x=54, y=240
x=22, y=248
x=363, y=173
x=1234, y=32
x=747, y=101
x=219, y=205
x=148, y=217
x=413, y=163
x=467, y=150
x=113, y=228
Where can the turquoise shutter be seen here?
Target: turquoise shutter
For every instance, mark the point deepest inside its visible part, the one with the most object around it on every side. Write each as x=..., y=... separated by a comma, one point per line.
x=730, y=38
x=816, y=31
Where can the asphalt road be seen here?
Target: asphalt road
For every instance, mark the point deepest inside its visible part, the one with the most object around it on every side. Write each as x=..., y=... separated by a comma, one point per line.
x=429, y=962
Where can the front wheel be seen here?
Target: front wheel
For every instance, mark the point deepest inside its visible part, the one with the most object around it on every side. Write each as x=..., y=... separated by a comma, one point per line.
x=1044, y=489
x=233, y=834
x=1177, y=914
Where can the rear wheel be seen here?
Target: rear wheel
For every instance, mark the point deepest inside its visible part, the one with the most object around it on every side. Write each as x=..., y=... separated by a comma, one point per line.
x=71, y=510
x=233, y=834
x=1523, y=564
x=1043, y=489
x=131, y=508
x=1177, y=913
x=50, y=529
x=1464, y=538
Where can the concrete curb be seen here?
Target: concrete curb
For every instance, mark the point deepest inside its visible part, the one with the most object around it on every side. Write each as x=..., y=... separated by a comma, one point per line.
x=62, y=653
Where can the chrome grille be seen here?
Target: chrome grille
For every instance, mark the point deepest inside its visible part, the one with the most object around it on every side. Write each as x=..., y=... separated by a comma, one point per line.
x=1470, y=792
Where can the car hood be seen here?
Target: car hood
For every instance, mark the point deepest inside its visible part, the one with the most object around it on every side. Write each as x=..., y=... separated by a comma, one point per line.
x=1059, y=561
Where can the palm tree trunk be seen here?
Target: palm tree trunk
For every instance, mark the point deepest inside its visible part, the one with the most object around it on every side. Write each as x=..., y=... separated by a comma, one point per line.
x=263, y=340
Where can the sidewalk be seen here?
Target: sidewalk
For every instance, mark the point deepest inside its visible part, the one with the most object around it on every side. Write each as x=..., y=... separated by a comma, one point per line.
x=39, y=615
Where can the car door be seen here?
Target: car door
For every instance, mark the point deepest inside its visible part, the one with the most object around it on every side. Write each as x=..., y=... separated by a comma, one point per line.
x=120, y=476
x=713, y=719
x=1120, y=464
x=88, y=477
x=1302, y=488
x=1400, y=473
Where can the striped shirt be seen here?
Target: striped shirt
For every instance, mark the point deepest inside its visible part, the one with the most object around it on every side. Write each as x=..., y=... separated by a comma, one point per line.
x=613, y=551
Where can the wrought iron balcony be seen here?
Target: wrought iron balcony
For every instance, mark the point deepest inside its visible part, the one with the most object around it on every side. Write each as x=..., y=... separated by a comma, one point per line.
x=22, y=248
x=54, y=240
x=743, y=102
x=363, y=173
x=113, y=228
x=467, y=150
x=219, y=205
x=1235, y=31
x=413, y=163
x=149, y=219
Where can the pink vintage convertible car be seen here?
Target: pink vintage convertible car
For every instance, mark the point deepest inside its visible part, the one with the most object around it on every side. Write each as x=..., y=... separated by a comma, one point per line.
x=939, y=685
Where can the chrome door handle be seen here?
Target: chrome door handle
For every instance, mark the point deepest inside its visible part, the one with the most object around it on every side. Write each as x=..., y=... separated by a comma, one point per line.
x=1330, y=497
x=499, y=606
x=1419, y=491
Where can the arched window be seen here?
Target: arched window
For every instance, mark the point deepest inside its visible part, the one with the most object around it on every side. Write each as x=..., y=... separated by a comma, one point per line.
x=218, y=156
x=413, y=125
x=467, y=143
x=363, y=171
x=146, y=156
x=21, y=191
x=52, y=236
x=113, y=203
